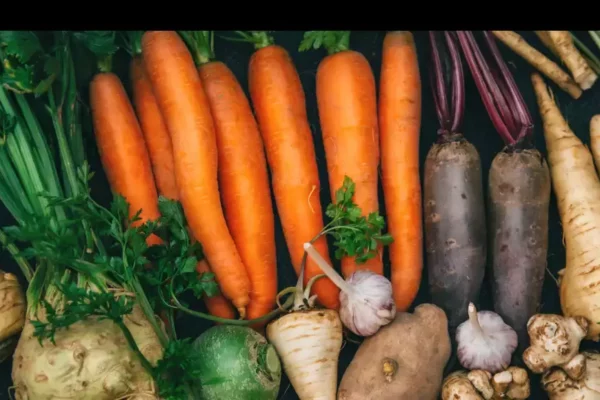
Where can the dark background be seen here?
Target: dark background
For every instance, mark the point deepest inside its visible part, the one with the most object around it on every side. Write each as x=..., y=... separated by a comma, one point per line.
x=477, y=127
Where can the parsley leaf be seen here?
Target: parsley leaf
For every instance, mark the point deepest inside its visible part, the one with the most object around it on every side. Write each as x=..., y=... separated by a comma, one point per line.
x=79, y=304
x=177, y=370
x=354, y=234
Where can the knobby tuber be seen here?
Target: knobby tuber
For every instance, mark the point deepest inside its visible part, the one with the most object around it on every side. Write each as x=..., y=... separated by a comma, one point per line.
x=561, y=386
x=510, y=384
x=554, y=341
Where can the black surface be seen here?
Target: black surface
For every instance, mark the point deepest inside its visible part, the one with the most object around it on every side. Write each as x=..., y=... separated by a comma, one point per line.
x=477, y=128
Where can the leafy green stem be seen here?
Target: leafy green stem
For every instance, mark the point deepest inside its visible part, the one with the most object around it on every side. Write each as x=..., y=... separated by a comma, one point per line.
x=596, y=37
x=133, y=42
x=148, y=311
x=239, y=322
x=592, y=59
x=260, y=39
x=200, y=44
x=14, y=252
x=333, y=41
x=134, y=347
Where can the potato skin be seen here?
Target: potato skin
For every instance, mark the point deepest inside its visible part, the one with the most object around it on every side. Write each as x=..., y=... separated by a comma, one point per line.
x=455, y=226
x=420, y=345
x=518, y=206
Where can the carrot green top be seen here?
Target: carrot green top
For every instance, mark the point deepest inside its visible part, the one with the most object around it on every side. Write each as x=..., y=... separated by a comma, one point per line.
x=260, y=39
x=133, y=42
x=333, y=41
x=103, y=44
x=201, y=44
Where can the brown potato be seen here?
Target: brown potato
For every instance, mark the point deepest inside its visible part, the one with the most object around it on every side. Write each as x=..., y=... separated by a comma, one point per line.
x=404, y=360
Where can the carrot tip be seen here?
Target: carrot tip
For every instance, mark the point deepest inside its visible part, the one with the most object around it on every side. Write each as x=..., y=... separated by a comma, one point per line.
x=242, y=311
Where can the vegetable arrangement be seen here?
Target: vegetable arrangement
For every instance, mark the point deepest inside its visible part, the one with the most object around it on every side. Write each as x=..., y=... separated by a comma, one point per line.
x=202, y=176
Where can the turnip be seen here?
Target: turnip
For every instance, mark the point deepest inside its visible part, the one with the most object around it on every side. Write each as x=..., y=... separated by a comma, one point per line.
x=236, y=363
x=577, y=188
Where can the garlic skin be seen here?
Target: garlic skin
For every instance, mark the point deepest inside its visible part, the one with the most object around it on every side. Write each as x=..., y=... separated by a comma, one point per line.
x=485, y=341
x=367, y=303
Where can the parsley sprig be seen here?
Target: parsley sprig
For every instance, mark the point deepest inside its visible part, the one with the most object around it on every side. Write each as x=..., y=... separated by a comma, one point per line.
x=354, y=235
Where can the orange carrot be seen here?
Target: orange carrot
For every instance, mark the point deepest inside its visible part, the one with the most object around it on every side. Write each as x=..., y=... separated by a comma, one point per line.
x=243, y=174
x=346, y=99
x=122, y=149
x=186, y=111
x=155, y=131
x=217, y=305
x=400, y=126
x=279, y=104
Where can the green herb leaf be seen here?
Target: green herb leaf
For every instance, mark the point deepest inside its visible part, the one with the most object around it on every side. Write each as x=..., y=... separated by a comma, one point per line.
x=354, y=234
x=333, y=41
x=26, y=66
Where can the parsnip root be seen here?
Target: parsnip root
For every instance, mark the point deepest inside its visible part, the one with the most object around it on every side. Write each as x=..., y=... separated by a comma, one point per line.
x=538, y=60
x=577, y=190
x=595, y=139
x=570, y=55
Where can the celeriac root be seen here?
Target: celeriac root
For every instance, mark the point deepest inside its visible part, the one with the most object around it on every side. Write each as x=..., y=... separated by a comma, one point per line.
x=12, y=313
x=538, y=60
x=580, y=69
x=577, y=190
x=595, y=139
x=91, y=360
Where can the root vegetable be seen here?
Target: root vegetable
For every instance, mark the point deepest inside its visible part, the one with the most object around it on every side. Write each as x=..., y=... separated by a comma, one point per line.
x=580, y=69
x=280, y=106
x=12, y=313
x=542, y=63
x=518, y=191
x=577, y=189
x=243, y=174
x=186, y=110
x=236, y=363
x=485, y=341
x=595, y=139
x=455, y=221
x=90, y=360
x=560, y=386
x=417, y=345
x=554, y=341
x=308, y=341
x=400, y=129
x=510, y=384
x=347, y=103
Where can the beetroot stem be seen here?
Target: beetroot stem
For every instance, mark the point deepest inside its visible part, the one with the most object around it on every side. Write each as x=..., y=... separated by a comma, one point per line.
x=519, y=103
x=467, y=40
x=458, y=82
x=439, y=89
x=449, y=115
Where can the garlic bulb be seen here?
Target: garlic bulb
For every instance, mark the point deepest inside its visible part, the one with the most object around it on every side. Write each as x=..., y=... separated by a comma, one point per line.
x=485, y=341
x=366, y=301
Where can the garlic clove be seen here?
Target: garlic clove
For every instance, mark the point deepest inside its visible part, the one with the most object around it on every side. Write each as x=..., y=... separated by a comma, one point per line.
x=485, y=341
